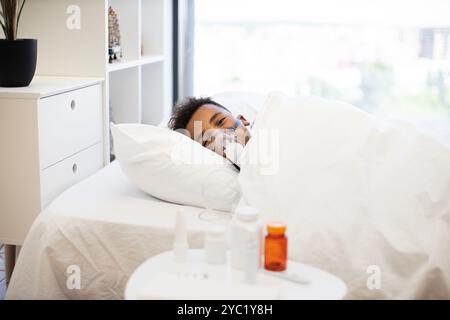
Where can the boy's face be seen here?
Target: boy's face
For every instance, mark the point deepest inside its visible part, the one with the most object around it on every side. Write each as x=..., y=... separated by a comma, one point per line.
x=210, y=119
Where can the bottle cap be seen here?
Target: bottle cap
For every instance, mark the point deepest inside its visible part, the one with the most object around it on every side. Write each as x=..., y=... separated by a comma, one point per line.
x=247, y=213
x=276, y=228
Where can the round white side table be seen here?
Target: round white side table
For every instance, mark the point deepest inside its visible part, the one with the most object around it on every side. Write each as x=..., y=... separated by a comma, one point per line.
x=161, y=278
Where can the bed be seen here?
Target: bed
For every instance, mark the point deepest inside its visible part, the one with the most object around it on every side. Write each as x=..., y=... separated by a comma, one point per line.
x=105, y=226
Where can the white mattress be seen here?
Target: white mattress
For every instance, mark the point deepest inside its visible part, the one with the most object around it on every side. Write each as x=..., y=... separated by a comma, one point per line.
x=105, y=226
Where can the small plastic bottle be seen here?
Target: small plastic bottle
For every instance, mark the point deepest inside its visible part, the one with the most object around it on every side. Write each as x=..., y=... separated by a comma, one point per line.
x=245, y=227
x=216, y=245
x=275, y=254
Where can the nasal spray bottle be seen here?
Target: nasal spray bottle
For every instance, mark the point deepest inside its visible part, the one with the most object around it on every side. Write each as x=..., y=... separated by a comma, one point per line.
x=180, y=244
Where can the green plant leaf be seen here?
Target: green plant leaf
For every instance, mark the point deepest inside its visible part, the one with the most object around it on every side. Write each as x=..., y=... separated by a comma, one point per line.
x=18, y=17
x=11, y=11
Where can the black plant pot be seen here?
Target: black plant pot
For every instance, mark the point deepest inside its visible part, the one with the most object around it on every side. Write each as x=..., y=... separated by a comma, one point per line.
x=17, y=62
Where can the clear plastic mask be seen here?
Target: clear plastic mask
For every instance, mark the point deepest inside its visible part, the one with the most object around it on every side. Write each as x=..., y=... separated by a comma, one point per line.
x=225, y=142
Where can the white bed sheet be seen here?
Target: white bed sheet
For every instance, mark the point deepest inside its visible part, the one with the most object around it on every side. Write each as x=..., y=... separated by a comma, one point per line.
x=105, y=226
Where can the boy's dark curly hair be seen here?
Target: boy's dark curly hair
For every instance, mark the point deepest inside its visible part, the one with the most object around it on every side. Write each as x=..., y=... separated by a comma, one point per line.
x=183, y=111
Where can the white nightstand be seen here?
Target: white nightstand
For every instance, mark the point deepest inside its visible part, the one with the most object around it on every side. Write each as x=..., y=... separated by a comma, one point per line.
x=51, y=136
x=161, y=278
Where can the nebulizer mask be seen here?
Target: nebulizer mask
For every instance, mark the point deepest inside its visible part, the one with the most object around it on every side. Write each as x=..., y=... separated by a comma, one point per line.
x=225, y=142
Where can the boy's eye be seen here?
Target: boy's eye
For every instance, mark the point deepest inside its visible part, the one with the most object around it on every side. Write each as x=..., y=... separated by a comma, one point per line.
x=221, y=121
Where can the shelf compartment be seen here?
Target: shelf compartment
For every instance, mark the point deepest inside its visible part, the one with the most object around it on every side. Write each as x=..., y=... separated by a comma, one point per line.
x=152, y=24
x=125, y=95
x=153, y=111
x=128, y=15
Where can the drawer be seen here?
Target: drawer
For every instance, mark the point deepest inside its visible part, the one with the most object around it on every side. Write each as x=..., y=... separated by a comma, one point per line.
x=60, y=176
x=69, y=122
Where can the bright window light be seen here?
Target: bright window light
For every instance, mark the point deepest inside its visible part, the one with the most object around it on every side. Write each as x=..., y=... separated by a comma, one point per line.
x=384, y=56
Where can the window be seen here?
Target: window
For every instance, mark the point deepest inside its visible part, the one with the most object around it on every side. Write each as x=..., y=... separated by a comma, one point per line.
x=383, y=56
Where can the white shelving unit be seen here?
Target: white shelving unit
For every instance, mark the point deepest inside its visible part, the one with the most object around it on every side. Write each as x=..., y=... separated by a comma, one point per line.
x=139, y=87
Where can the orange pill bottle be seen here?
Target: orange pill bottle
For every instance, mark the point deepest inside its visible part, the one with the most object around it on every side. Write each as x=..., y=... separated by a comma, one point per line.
x=275, y=247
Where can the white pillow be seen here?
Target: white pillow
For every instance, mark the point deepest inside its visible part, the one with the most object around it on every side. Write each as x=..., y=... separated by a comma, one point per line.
x=172, y=167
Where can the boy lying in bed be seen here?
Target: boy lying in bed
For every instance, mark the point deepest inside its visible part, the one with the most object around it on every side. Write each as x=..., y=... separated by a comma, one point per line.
x=209, y=123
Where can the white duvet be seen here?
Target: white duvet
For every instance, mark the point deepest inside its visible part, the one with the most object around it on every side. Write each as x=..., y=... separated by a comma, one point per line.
x=365, y=199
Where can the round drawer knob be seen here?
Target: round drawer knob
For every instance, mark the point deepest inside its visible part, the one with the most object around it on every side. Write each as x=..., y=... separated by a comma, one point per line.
x=74, y=168
x=72, y=104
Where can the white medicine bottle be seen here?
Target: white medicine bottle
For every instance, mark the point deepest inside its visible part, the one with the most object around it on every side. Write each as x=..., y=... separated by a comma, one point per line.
x=245, y=227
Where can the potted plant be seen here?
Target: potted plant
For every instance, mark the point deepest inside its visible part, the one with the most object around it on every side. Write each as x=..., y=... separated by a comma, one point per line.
x=17, y=56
